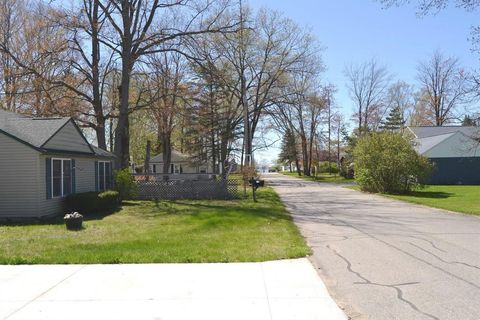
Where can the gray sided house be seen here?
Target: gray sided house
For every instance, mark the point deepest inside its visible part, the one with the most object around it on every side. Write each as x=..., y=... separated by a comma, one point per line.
x=42, y=160
x=180, y=164
x=454, y=151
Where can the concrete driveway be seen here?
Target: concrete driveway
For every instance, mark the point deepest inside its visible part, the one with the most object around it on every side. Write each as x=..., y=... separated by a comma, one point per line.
x=289, y=290
x=386, y=259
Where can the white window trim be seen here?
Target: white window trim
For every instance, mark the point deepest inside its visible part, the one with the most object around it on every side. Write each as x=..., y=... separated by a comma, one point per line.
x=62, y=195
x=104, y=175
x=176, y=168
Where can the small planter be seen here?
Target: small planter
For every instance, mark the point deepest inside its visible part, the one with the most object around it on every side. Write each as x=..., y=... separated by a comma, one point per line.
x=73, y=221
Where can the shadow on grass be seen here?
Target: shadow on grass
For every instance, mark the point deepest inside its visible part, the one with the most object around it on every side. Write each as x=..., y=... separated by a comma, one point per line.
x=431, y=194
x=58, y=219
x=268, y=207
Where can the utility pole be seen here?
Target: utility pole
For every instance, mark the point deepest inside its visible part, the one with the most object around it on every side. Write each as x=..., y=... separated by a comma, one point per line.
x=329, y=131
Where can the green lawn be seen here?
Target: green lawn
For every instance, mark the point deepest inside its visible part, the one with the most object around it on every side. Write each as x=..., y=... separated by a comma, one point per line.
x=323, y=177
x=165, y=231
x=463, y=199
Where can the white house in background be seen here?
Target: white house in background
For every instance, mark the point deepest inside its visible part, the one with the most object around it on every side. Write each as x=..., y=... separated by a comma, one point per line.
x=454, y=151
x=180, y=164
x=42, y=160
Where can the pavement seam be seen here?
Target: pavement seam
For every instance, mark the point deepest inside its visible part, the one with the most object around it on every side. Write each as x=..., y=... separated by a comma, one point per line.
x=443, y=260
x=266, y=292
x=43, y=293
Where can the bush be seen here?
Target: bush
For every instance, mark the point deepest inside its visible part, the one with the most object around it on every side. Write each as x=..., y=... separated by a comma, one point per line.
x=108, y=200
x=387, y=162
x=125, y=184
x=82, y=202
x=93, y=202
x=324, y=167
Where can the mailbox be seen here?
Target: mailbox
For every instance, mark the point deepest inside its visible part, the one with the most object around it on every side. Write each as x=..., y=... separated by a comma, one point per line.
x=256, y=183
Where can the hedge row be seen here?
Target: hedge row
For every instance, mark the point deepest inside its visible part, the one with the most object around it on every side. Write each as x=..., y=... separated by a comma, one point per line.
x=93, y=202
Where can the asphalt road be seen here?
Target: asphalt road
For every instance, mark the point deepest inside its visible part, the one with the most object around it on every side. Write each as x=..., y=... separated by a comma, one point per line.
x=386, y=259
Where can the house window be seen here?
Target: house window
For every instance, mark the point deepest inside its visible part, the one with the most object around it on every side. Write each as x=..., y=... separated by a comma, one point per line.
x=61, y=177
x=175, y=168
x=154, y=168
x=104, y=176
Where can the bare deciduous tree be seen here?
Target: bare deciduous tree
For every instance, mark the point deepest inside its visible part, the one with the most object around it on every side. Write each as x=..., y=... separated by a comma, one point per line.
x=425, y=6
x=167, y=91
x=368, y=86
x=443, y=82
x=140, y=28
x=301, y=109
x=268, y=49
x=12, y=18
x=400, y=96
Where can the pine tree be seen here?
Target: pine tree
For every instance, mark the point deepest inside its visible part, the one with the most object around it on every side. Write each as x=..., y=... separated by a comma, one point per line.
x=288, y=151
x=394, y=120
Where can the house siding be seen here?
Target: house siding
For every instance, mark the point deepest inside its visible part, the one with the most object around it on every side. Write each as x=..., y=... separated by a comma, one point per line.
x=18, y=178
x=84, y=178
x=186, y=167
x=85, y=174
x=459, y=170
x=68, y=138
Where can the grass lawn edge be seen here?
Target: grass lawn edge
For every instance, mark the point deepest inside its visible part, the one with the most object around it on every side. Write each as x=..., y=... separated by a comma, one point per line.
x=410, y=198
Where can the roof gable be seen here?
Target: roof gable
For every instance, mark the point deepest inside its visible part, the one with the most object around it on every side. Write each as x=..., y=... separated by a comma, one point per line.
x=176, y=157
x=425, y=132
x=455, y=145
x=425, y=144
x=33, y=131
x=57, y=135
x=68, y=138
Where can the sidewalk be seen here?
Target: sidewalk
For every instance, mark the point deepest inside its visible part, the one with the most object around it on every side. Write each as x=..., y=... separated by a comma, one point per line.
x=288, y=289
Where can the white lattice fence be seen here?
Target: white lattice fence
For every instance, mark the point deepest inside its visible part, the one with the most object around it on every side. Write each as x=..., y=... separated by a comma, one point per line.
x=222, y=189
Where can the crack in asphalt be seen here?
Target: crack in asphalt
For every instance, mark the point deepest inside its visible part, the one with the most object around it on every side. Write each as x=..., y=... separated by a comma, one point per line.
x=305, y=210
x=399, y=291
x=429, y=241
x=476, y=286
x=443, y=260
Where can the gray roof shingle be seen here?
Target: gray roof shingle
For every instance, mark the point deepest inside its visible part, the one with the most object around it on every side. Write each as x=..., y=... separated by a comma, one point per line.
x=427, y=138
x=425, y=132
x=36, y=131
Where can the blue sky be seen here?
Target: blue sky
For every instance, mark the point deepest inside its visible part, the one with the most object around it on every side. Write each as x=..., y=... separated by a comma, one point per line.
x=354, y=31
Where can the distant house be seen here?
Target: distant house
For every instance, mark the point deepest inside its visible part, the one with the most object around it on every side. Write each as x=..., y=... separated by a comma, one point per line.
x=454, y=151
x=180, y=164
x=42, y=160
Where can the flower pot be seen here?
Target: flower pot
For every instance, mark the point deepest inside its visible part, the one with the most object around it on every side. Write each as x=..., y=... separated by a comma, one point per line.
x=74, y=223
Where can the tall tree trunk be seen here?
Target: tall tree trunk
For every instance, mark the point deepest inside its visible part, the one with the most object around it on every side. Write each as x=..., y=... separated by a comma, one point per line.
x=122, y=134
x=297, y=163
x=100, y=132
x=360, y=117
x=97, y=100
x=111, y=135
x=306, y=166
x=246, y=125
x=166, y=152
x=122, y=143
x=338, y=146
